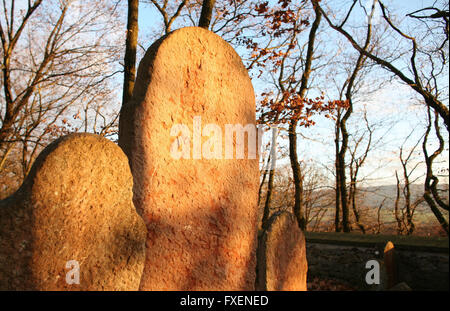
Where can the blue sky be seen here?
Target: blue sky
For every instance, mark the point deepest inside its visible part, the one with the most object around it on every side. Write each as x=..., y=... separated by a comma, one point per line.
x=391, y=103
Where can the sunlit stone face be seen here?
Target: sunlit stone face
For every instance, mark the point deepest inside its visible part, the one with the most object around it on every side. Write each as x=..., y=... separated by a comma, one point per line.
x=199, y=205
x=72, y=225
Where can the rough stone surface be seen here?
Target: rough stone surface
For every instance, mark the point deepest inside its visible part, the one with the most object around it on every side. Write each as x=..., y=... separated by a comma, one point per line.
x=76, y=204
x=282, y=264
x=201, y=214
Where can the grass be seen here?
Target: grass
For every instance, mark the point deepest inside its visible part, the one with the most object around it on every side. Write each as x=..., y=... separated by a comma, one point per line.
x=417, y=243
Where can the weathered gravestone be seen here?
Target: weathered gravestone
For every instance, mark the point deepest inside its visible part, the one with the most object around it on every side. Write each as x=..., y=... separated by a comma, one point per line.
x=390, y=262
x=282, y=264
x=74, y=210
x=199, y=201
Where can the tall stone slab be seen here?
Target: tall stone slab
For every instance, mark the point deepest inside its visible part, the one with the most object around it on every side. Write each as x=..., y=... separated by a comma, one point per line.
x=282, y=263
x=199, y=205
x=72, y=224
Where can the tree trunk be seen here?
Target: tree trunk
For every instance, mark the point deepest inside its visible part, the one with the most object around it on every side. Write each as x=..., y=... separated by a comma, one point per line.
x=355, y=208
x=396, y=210
x=206, y=14
x=337, y=220
x=430, y=179
x=437, y=213
x=263, y=181
x=297, y=175
x=341, y=169
x=129, y=76
x=343, y=181
x=296, y=170
x=343, y=126
x=272, y=157
x=407, y=193
x=130, y=50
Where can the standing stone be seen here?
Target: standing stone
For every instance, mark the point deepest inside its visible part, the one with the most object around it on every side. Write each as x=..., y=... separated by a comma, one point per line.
x=200, y=210
x=74, y=210
x=282, y=264
x=390, y=263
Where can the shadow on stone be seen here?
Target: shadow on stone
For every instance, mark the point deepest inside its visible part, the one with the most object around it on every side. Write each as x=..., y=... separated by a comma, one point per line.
x=76, y=204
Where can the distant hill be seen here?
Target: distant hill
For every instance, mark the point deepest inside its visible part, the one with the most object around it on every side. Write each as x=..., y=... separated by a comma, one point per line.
x=374, y=196
x=369, y=200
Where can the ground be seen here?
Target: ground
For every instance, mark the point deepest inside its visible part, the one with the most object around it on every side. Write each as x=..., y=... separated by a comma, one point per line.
x=338, y=262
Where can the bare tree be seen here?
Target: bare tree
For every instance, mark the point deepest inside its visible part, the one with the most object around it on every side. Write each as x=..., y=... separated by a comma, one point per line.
x=398, y=219
x=282, y=83
x=316, y=198
x=10, y=38
x=356, y=162
x=295, y=165
x=291, y=105
x=423, y=82
x=379, y=221
x=57, y=60
x=431, y=194
x=337, y=135
x=285, y=81
x=407, y=212
x=270, y=183
x=340, y=161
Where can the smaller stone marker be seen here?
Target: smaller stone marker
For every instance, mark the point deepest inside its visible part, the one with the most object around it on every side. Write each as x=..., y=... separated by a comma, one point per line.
x=282, y=264
x=72, y=224
x=390, y=264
